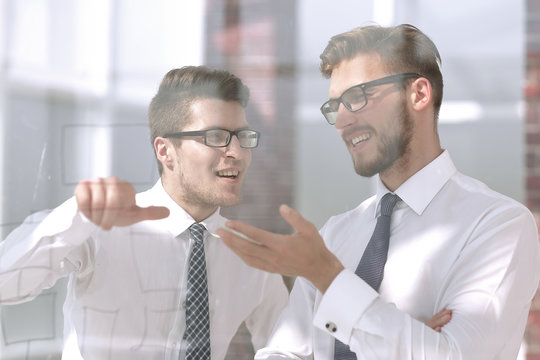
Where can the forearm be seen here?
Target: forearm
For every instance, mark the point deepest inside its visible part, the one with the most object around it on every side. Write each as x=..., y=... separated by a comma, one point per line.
x=40, y=251
x=292, y=337
x=261, y=321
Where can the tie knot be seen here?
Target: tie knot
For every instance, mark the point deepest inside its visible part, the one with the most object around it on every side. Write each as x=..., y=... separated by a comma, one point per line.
x=388, y=202
x=196, y=230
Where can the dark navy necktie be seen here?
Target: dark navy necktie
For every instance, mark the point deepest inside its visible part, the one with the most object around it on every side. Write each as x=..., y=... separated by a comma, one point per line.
x=371, y=266
x=197, y=334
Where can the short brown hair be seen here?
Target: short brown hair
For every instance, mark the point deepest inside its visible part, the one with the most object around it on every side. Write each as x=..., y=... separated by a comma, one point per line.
x=170, y=109
x=402, y=49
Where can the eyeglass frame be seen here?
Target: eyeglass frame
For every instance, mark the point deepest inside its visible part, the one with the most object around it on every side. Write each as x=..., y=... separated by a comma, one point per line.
x=382, y=81
x=181, y=134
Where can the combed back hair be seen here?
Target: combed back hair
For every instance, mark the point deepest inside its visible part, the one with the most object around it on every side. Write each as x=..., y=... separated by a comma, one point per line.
x=401, y=49
x=170, y=109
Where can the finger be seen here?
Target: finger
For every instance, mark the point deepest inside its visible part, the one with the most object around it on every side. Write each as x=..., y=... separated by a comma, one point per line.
x=111, y=206
x=440, y=319
x=444, y=316
x=256, y=255
x=438, y=322
x=297, y=221
x=247, y=249
x=149, y=213
x=238, y=233
x=260, y=236
x=97, y=204
x=237, y=240
x=442, y=313
x=83, y=197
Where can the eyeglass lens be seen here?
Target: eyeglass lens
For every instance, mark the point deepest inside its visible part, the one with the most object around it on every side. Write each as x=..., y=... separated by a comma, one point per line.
x=353, y=99
x=221, y=137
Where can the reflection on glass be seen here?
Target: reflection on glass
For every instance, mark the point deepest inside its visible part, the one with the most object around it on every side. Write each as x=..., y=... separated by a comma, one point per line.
x=74, y=90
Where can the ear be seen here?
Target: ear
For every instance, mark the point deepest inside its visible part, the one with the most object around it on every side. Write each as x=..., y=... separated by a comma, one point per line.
x=165, y=152
x=421, y=94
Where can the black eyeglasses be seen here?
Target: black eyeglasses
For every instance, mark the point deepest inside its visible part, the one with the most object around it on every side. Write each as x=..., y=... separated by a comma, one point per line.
x=218, y=137
x=355, y=98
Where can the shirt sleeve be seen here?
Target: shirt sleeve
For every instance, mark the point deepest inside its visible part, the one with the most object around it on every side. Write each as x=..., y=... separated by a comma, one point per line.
x=48, y=245
x=489, y=289
x=293, y=334
x=274, y=297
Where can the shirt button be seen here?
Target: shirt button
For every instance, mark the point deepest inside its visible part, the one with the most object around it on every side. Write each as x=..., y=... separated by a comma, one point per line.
x=331, y=327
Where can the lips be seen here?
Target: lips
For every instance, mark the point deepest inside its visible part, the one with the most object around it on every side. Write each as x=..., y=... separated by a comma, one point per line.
x=360, y=139
x=231, y=174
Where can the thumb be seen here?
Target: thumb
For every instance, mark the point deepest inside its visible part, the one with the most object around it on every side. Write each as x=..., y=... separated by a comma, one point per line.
x=153, y=213
x=293, y=218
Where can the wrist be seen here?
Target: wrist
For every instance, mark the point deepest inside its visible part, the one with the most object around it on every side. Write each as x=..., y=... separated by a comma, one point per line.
x=327, y=273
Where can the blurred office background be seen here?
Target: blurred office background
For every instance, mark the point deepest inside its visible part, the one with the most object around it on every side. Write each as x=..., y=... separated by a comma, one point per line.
x=76, y=77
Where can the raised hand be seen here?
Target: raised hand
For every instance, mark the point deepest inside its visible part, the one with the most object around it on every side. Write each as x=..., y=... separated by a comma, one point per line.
x=109, y=202
x=300, y=254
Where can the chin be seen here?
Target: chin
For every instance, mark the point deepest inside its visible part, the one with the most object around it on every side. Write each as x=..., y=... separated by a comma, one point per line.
x=367, y=171
x=230, y=200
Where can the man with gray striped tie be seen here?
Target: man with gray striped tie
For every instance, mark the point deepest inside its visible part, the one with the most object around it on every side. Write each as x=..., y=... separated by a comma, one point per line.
x=430, y=239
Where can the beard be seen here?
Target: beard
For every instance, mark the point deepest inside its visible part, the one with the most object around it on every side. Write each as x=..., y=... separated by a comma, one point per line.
x=207, y=195
x=392, y=145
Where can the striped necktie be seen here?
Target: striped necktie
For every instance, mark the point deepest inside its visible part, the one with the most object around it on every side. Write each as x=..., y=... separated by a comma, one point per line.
x=371, y=266
x=197, y=334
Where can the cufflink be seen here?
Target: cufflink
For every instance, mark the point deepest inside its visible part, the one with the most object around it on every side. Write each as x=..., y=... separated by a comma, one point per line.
x=330, y=326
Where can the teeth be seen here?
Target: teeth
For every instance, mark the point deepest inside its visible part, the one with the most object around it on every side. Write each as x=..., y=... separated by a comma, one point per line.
x=355, y=141
x=230, y=173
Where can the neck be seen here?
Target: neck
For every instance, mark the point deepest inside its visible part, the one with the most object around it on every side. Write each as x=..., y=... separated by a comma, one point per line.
x=408, y=165
x=198, y=213
x=197, y=210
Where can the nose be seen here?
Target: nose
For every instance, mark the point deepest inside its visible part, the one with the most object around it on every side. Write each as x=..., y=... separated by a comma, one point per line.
x=234, y=149
x=344, y=117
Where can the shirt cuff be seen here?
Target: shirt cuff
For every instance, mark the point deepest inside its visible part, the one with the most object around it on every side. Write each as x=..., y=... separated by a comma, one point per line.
x=342, y=305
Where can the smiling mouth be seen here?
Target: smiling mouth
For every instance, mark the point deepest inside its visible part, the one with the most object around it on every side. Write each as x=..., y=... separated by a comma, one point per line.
x=360, y=139
x=229, y=174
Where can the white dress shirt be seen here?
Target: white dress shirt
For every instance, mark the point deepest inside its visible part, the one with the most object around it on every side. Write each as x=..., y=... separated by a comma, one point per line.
x=127, y=286
x=454, y=244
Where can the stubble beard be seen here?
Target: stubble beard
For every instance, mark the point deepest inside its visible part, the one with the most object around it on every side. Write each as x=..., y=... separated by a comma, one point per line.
x=203, y=195
x=197, y=195
x=390, y=148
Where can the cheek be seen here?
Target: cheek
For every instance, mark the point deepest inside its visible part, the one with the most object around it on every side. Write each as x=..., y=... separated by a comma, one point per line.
x=248, y=158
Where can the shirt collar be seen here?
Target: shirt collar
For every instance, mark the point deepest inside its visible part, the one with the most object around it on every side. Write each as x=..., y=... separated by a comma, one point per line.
x=179, y=220
x=418, y=191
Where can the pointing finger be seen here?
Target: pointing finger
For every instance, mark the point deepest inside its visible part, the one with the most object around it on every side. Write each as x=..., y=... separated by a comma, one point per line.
x=297, y=221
